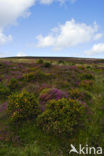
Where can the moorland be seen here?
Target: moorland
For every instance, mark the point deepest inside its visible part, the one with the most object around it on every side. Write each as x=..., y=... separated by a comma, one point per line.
x=46, y=104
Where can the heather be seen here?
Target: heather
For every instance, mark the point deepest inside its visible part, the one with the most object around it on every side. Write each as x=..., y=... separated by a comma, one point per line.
x=46, y=104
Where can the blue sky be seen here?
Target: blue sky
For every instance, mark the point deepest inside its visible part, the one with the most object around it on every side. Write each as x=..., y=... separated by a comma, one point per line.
x=70, y=28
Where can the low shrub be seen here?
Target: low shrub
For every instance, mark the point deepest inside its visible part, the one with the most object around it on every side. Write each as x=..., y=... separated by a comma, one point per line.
x=37, y=76
x=33, y=88
x=63, y=84
x=29, y=76
x=4, y=91
x=40, y=61
x=61, y=62
x=49, y=94
x=87, y=76
x=47, y=64
x=62, y=117
x=83, y=95
x=22, y=106
x=13, y=84
x=87, y=84
x=41, y=76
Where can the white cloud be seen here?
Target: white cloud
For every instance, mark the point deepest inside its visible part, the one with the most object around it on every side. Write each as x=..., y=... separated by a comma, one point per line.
x=20, y=54
x=4, y=38
x=51, y=1
x=10, y=11
x=68, y=35
x=96, y=49
x=46, y=1
x=98, y=36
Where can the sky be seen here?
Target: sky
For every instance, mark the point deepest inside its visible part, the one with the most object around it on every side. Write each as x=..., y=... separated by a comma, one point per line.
x=61, y=28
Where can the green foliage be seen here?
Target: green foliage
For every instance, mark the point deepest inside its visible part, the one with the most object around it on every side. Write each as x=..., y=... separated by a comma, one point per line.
x=36, y=76
x=63, y=84
x=40, y=61
x=23, y=106
x=75, y=93
x=87, y=84
x=41, y=76
x=13, y=84
x=87, y=76
x=47, y=64
x=29, y=76
x=62, y=117
x=83, y=95
x=61, y=62
x=4, y=91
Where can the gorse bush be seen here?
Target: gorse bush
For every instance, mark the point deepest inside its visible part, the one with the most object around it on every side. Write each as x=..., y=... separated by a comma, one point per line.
x=62, y=117
x=23, y=106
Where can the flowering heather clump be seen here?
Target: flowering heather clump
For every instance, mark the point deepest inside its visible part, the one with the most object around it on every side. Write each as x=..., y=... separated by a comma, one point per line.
x=49, y=94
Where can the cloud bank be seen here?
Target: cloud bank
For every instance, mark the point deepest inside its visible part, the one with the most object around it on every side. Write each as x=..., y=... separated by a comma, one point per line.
x=69, y=35
x=96, y=49
x=10, y=11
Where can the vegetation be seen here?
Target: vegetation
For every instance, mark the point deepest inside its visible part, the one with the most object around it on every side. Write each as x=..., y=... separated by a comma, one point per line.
x=46, y=104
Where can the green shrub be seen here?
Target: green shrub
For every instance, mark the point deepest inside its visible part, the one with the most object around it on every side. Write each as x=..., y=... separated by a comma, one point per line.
x=36, y=76
x=87, y=84
x=87, y=76
x=13, y=84
x=88, y=67
x=29, y=76
x=63, y=84
x=61, y=62
x=41, y=76
x=23, y=106
x=62, y=117
x=47, y=64
x=75, y=93
x=40, y=61
x=4, y=91
x=83, y=95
